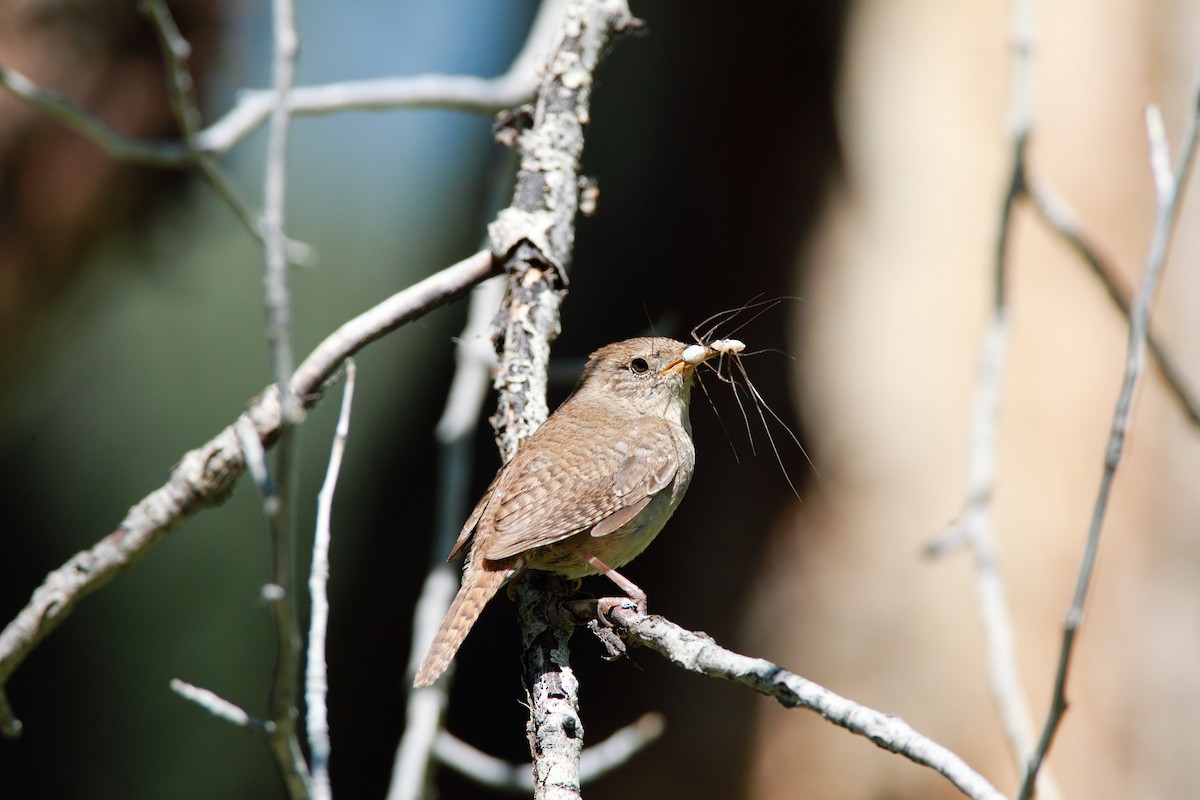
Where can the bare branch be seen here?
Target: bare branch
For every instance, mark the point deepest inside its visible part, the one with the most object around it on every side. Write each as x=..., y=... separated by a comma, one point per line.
x=464, y=406
x=176, y=51
x=453, y=92
x=595, y=762
x=205, y=476
x=218, y=706
x=467, y=93
x=1058, y=214
x=116, y=145
x=697, y=652
x=284, y=738
x=486, y=96
x=316, y=682
x=974, y=526
x=1169, y=187
x=169, y=154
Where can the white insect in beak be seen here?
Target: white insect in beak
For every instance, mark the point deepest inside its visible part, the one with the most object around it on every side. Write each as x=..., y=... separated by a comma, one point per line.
x=696, y=354
x=728, y=347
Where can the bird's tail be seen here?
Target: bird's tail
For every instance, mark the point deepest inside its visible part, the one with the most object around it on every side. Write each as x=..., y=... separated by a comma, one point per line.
x=478, y=587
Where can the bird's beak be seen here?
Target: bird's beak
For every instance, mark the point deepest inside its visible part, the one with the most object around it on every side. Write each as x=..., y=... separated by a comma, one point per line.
x=676, y=363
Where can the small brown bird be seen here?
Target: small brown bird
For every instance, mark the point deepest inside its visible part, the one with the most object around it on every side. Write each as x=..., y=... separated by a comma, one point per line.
x=589, y=490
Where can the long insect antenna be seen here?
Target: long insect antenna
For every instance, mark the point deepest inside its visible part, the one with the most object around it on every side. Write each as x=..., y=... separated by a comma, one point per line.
x=728, y=367
x=737, y=389
x=770, y=438
x=763, y=307
x=759, y=307
x=760, y=404
x=776, y=350
x=721, y=317
x=737, y=459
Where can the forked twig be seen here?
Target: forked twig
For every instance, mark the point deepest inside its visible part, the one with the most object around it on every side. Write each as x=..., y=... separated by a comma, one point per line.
x=1169, y=188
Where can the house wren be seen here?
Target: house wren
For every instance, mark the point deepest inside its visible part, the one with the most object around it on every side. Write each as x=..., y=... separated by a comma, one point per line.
x=589, y=490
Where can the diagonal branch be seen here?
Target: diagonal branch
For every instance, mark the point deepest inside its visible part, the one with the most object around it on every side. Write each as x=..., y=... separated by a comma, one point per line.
x=698, y=652
x=1169, y=186
x=205, y=476
x=1056, y=213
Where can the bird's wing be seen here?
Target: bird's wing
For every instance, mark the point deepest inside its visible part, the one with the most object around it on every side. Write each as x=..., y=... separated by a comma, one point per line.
x=615, y=476
x=468, y=529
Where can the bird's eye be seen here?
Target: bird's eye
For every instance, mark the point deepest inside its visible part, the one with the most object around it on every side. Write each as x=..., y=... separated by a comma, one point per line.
x=639, y=366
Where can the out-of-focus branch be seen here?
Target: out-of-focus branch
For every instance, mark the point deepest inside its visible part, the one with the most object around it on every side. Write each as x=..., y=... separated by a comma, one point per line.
x=1058, y=214
x=452, y=92
x=1169, y=186
x=277, y=302
x=316, y=675
x=253, y=107
x=974, y=525
x=205, y=476
x=426, y=708
x=466, y=93
x=595, y=762
x=219, y=707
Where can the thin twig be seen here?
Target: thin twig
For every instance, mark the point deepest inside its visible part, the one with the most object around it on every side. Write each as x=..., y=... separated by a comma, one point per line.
x=316, y=681
x=475, y=357
x=466, y=93
x=697, y=652
x=204, y=477
x=285, y=741
x=276, y=296
x=975, y=524
x=181, y=92
x=595, y=762
x=218, y=706
x=1169, y=189
x=116, y=145
x=1058, y=214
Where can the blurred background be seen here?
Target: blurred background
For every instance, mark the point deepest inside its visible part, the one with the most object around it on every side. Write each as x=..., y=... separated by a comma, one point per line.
x=852, y=155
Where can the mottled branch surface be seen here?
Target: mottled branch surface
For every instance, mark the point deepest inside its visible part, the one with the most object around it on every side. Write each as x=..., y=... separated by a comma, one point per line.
x=535, y=235
x=555, y=728
x=533, y=238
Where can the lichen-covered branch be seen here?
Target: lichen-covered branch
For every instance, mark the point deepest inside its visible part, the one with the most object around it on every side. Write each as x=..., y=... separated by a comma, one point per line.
x=535, y=235
x=533, y=238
